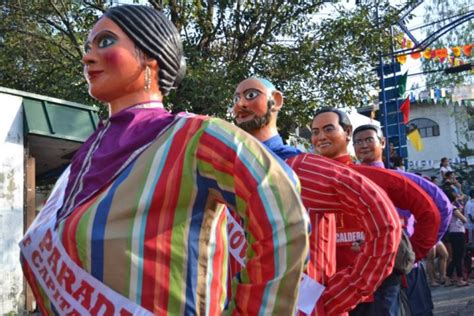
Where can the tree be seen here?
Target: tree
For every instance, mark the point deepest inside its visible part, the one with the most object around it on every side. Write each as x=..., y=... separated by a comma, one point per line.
x=316, y=58
x=442, y=12
x=41, y=43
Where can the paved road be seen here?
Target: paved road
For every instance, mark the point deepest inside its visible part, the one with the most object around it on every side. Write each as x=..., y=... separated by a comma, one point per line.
x=453, y=301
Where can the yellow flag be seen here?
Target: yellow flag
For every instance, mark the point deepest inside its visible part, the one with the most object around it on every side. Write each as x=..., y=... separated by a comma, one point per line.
x=415, y=139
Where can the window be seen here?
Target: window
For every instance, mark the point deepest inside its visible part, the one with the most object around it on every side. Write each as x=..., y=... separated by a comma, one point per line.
x=427, y=127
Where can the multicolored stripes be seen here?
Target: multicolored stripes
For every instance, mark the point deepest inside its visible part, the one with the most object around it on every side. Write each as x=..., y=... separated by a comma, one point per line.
x=157, y=233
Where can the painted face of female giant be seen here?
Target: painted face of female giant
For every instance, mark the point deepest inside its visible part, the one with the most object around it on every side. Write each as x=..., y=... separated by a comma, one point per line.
x=113, y=65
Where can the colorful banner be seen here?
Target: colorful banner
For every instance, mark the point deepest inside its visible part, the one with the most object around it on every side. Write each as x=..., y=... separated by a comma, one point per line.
x=461, y=95
x=453, y=55
x=72, y=290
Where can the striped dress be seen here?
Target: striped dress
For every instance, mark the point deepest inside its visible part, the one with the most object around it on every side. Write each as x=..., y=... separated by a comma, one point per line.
x=156, y=233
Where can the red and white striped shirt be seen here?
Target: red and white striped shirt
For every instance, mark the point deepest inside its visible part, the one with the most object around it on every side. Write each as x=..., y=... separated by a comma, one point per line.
x=327, y=187
x=408, y=195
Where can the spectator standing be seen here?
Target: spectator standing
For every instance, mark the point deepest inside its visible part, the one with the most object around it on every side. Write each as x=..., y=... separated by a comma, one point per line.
x=456, y=238
x=469, y=212
x=444, y=167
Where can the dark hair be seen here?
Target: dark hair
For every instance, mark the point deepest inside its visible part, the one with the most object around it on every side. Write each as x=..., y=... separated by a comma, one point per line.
x=471, y=193
x=366, y=127
x=397, y=161
x=448, y=173
x=442, y=159
x=449, y=191
x=344, y=120
x=157, y=37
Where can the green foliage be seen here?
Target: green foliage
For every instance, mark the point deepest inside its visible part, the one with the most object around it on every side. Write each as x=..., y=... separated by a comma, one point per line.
x=41, y=44
x=439, y=14
x=464, y=150
x=315, y=58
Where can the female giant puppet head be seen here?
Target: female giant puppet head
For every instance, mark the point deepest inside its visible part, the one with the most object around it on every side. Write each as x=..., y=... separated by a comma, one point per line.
x=132, y=54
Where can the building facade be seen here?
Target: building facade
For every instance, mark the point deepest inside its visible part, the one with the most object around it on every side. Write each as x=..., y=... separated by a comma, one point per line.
x=38, y=137
x=443, y=128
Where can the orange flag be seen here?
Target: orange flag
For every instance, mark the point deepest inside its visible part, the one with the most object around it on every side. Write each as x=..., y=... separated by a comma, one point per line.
x=456, y=51
x=466, y=49
x=427, y=53
x=402, y=59
x=415, y=55
x=441, y=53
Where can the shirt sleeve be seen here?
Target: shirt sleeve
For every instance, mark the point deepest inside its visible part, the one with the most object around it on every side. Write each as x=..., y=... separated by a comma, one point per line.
x=405, y=194
x=329, y=186
x=254, y=184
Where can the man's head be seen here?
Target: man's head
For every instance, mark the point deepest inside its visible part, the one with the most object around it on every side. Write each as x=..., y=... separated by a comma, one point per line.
x=256, y=104
x=449, y=176
x=369, y=143
x=331, y=131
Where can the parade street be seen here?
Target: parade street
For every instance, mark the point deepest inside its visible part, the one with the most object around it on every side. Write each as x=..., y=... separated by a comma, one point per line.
x=453, y=301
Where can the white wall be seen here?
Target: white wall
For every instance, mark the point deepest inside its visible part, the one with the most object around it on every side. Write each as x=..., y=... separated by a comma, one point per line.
x=11, y=203
x=452, y=127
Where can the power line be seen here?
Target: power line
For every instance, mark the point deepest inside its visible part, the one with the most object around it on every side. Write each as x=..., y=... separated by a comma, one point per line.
x=442, y=20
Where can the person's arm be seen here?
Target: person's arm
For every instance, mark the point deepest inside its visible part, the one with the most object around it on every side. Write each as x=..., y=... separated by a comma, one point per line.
x=457, y=213
x=329, y=186
x=408, y=195
x=252, y=182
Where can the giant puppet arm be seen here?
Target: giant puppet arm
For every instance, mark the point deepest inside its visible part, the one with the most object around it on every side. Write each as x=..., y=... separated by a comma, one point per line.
x=442, y=202
x=406, y=194
x=330, y=187
x=263, y=192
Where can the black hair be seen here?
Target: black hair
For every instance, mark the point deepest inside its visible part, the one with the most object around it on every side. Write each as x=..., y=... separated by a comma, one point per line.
x=442, y=159
x=366, y=127
x=397, y=161
x=157, y=37
x=344, y=120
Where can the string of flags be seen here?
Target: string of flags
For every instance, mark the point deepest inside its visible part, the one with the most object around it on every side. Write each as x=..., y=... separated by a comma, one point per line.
x=453, y=55
x=460, y=95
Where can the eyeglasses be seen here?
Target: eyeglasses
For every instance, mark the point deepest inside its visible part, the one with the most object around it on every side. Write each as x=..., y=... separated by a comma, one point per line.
x=368, y=141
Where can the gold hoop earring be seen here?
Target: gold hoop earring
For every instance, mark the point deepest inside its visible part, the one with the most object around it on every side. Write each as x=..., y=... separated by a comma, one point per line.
x=147, y=78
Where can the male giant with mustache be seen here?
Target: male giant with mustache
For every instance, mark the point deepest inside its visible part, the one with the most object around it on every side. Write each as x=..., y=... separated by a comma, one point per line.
x=327, y=188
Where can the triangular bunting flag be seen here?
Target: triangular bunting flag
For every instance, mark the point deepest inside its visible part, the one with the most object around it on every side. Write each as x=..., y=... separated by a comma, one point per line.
x=415, y=139
x=405, y=109
x=402, y=84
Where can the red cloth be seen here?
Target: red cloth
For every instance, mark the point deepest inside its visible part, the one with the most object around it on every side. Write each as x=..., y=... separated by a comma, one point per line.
x=329, y=187
x=406, y=194
x=405, y=109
